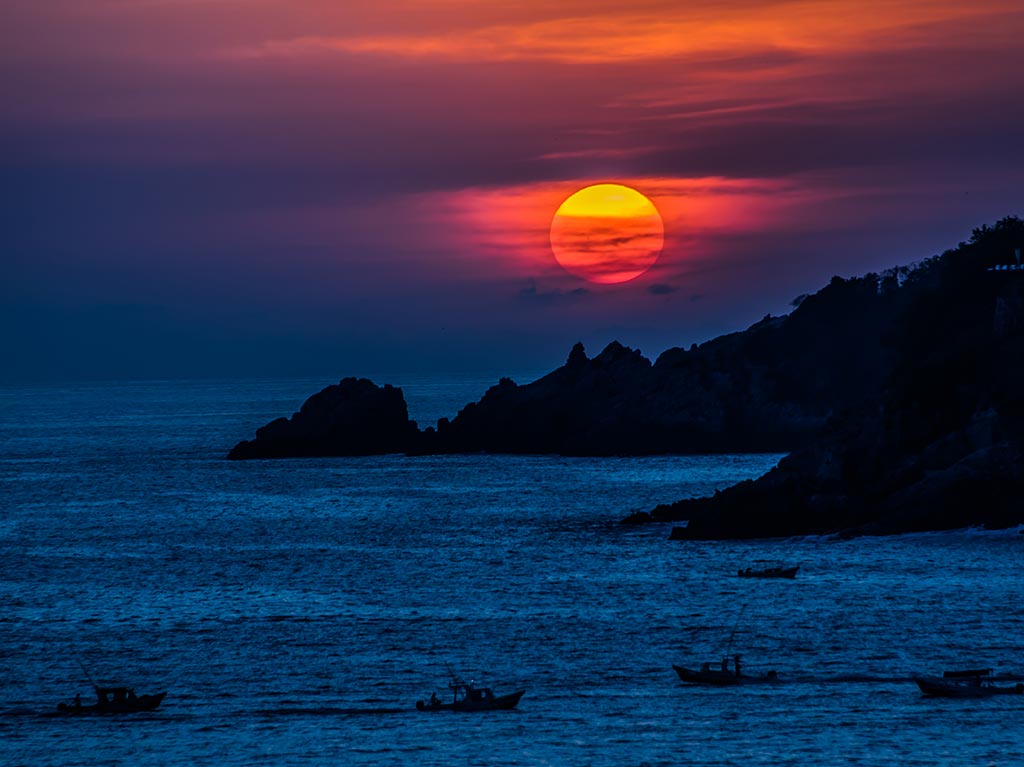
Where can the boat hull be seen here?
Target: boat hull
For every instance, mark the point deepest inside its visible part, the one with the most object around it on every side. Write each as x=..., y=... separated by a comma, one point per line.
x=938, y=687
x=498, y=703
x=718, y=678
x=140, y=704
x=772, y=572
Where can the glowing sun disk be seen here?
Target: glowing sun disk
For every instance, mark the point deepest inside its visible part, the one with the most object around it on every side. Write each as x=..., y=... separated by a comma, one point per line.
x=607, y=233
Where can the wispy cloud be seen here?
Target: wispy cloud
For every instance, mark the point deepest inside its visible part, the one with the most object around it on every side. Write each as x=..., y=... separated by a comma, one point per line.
x=601, y=153
x=403, y=159
x=667, y=32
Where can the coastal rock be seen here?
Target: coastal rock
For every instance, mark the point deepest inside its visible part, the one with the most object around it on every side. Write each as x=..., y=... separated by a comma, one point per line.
x=766, y=389
x=588, y=406
x=352, y=417
x=939, y=446
x=899, y=395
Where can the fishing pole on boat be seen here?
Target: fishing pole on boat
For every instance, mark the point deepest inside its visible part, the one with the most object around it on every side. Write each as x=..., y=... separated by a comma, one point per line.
x=735, y=628
x=85, y=671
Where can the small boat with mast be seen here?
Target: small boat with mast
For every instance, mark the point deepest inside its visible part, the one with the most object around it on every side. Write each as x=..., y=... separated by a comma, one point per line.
x=720, y=674
x=111, y=699
x=466, y=696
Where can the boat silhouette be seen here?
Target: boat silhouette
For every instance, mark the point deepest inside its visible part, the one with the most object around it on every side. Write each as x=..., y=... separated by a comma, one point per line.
x=720, y=675
x=769, y=572
x=466, y=696
x=113, y=700
x=971, y=683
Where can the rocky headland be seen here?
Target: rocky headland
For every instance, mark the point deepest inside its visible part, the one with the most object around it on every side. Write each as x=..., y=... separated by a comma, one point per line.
x=352, y=417
x=940, y=445
x=766, y=389
x=898, y=396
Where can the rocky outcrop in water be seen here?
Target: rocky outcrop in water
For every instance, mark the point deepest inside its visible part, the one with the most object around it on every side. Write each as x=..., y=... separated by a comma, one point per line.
x=353, y=417
x=766, y=389
x=940, y=445
x=756, y=391
x=729, y=395
x=900, y=395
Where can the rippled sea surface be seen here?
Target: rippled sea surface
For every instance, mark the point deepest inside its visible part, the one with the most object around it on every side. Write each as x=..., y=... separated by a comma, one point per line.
x=296, y=610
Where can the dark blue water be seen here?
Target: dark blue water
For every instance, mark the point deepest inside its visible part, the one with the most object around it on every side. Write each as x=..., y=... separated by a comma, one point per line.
x=296, y=610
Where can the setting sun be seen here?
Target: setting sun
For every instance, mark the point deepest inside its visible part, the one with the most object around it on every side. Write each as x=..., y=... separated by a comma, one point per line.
x=607, y=233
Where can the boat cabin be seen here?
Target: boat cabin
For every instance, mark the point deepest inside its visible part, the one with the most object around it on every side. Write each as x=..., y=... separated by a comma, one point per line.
x=469, y=692
x=477, y=695
x=117, y=696
x=723, y=667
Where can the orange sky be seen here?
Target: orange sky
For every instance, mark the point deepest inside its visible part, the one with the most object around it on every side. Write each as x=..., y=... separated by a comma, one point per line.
x=329, y=162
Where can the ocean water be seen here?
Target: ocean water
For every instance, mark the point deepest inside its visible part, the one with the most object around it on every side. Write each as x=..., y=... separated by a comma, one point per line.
x=294, y=611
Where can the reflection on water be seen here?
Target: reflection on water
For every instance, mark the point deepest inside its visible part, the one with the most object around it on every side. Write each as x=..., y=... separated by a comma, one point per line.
x=296, y=610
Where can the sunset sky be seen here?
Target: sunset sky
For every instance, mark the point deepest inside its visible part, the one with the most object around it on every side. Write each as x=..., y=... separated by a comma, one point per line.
x=337, y=187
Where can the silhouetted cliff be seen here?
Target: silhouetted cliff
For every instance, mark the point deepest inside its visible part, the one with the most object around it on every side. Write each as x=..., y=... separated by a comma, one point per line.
x=765, y=389
x=353, y=417
x=900, y=393
x=940, y=445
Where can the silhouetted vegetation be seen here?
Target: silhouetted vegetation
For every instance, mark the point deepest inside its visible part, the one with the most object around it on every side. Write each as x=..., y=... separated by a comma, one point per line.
x=939, y=443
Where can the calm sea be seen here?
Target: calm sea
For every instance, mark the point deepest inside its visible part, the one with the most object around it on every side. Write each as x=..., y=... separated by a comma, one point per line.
x=294, y=611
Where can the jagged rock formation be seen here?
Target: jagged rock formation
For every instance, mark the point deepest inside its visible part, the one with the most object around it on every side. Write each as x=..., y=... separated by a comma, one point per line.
x=766, y=389
x=762, y=390
x=939, y=446
x=353, y=417
x=746, y=392
x=902, y=395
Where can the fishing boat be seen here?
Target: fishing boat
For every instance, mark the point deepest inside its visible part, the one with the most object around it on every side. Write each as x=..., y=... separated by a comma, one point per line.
x=113, y=700
x=720, y=675
x=466, y=696
x=769, y=572
x=964, y=684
